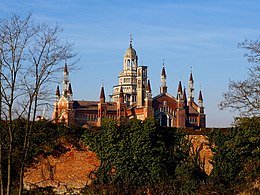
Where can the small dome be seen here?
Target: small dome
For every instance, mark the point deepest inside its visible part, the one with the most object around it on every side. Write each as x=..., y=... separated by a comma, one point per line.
x=130, y=52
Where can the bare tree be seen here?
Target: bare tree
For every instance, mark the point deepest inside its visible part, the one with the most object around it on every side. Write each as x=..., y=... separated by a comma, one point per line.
x=31, y=55
x=1, y=136
x=244, y=96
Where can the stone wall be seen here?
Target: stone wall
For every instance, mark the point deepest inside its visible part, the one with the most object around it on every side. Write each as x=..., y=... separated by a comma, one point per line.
x=67, y=173
x=205, y=153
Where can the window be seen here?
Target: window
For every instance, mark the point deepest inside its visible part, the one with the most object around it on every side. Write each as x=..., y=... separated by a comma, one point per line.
x=164, y=120
x=128, y=64
x=127, y=80
x=193, y=120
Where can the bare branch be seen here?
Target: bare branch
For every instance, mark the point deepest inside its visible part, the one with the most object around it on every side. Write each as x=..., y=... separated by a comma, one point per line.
x=244, y=96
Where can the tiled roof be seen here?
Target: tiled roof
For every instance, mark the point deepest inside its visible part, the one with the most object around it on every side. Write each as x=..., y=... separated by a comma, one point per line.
x=192, y=110
x=92, y=105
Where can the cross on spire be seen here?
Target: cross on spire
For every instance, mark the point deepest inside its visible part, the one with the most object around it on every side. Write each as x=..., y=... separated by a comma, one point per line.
x=131, y=40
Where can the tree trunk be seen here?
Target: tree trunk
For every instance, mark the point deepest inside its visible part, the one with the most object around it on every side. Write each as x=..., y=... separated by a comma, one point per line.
x=9, y=153
x=29, y=127
x=25, y=150
x=1, y=168
x=1, y=129
x=9, y=165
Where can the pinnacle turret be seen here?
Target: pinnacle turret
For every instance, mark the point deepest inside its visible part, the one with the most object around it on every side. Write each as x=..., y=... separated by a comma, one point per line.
x=191, y=89
x=184, y=97
x=200, y=103
x=69, y=89
x=66, y=82
x=163, y=72
x=102, y=95
x=58, y=91
x=121, y=95
x=163, y=87
x=200, y=96
x=66, y=68
x=191, y=77
x=148, y=87
x=179, y=93
x=179, y=88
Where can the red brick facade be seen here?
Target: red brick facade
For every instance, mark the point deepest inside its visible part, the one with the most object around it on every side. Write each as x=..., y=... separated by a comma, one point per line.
x=132, y=98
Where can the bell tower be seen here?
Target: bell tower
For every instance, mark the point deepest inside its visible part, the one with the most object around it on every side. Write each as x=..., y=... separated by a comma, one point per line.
x=130, y=58
x=127, y=79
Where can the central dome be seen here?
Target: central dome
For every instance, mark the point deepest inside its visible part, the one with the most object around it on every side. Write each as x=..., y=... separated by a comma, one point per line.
x=130, y=52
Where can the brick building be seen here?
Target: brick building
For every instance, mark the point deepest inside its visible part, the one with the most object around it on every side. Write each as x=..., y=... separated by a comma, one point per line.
x=132, y=98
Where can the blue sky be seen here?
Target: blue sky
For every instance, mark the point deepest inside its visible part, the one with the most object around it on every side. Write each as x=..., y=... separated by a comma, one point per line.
x=199, y=34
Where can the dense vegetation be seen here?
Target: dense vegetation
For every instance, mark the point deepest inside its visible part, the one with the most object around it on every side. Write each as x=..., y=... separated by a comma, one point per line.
x=139, y=156
x=237, y=157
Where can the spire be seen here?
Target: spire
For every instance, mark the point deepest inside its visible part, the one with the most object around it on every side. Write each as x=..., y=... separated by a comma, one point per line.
x=191, y=77
x=200, y=103
x=58, y=91
x=121, y=95
x=102, y=95
x=69, y=89
x=184, y=96
x=65, y=86
x=148, y=87
x=179, y=93
x=179, y=88
x=200, y=96
x=66, y=68
x=163, y=71
x=191, y=89
x=163, y=87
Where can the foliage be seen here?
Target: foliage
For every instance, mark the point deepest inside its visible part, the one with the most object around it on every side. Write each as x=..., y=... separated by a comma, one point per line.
x=138, y=155
x=236, y=157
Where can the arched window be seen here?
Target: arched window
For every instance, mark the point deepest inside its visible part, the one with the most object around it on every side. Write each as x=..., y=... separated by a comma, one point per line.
x=164, y=120
x=128, y=64
x=133, y=64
